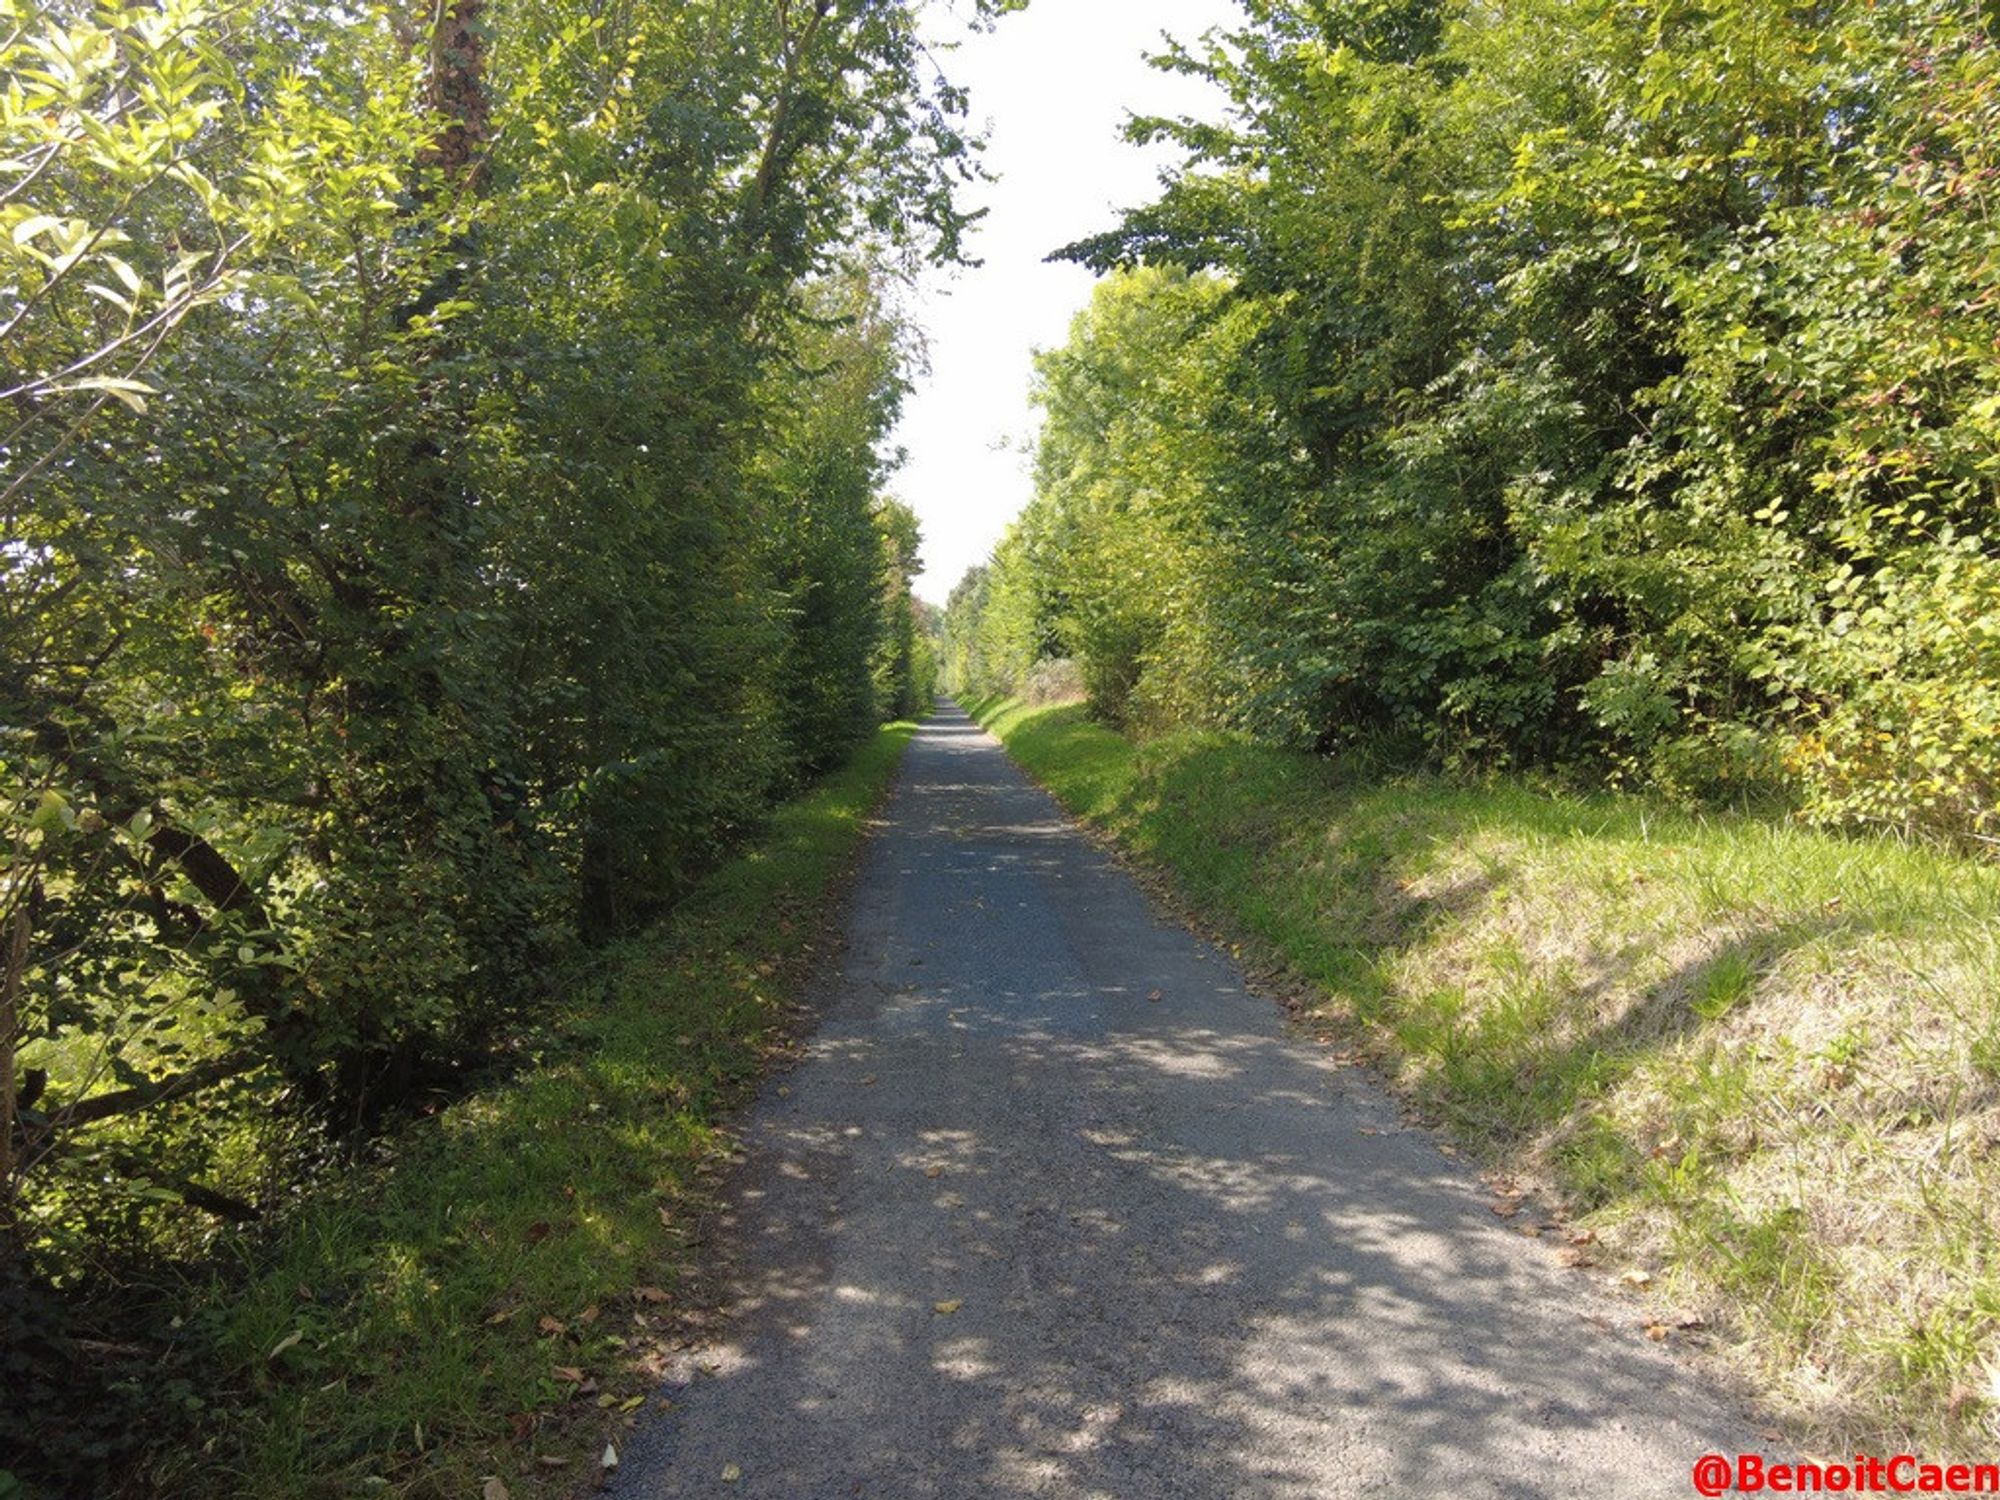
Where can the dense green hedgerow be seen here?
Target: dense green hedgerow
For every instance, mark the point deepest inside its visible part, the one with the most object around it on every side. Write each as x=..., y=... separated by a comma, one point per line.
x=440, y=514
x=1611, y=385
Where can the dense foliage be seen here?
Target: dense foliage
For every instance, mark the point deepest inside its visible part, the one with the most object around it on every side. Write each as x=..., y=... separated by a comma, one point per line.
x=441, y=505
x=1604, y=384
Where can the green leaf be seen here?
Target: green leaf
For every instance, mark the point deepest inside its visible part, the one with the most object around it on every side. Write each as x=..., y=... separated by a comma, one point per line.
x=52, y=814
x=33, y=225
x=132, y=392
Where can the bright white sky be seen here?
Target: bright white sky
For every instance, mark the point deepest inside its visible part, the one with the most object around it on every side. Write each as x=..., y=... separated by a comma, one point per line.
x=1054, y=85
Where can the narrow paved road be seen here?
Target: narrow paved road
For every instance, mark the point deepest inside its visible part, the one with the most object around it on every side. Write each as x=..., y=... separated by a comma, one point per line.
x=1015, y=1227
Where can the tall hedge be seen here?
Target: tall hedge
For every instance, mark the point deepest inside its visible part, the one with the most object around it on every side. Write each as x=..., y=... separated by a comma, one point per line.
x=1613, y=386
x=442, y=507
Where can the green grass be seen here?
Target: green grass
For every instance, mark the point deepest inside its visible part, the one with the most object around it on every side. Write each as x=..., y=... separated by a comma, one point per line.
x=415, y=1331
x=1761, y=1061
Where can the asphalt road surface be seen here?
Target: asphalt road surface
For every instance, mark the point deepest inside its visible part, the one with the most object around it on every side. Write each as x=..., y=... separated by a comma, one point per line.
x=1017, y=1227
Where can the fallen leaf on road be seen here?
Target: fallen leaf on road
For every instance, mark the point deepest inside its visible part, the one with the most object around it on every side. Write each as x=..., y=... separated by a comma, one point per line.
x=1153, y=995
x=1532, y=1231
x=1657, y=1332
x=1503, y=1209
x=933, y=1171
x=731, y=1473
x=948, y=1308
x=868, y=1082
x=610, y=1459
x=1637, y=1278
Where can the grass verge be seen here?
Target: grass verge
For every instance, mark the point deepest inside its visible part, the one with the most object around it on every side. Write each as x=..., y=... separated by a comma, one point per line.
x=1762, y=1062
x=485, y=1306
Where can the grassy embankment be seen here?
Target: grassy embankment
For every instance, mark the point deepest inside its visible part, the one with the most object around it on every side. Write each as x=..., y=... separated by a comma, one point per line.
x=486, y=1307
x=1762, y=1062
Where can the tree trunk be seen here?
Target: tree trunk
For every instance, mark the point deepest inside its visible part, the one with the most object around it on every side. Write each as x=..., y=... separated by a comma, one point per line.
x=12, y=965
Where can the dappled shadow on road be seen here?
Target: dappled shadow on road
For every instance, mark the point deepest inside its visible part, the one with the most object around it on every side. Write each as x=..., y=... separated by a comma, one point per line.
x=1055, y=1208
x=1151, y=1301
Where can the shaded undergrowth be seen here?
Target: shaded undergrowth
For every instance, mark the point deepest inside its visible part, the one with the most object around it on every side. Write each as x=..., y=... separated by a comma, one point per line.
x=486, y=1301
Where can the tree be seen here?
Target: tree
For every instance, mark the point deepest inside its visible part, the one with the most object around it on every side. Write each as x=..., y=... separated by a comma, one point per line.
x=441, y=513
x=1551, y=384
